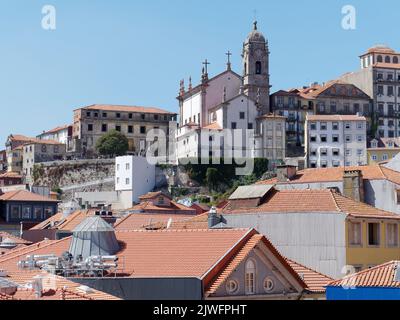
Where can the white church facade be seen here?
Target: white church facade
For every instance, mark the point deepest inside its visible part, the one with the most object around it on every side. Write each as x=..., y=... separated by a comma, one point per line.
x=233, y=109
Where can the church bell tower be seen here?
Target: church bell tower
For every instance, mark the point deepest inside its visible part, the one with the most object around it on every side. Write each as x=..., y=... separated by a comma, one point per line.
x=256, y=69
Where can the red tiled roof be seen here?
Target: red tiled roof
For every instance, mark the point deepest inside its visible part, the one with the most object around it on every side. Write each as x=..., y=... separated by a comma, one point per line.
x=373, y=172
x=197, y=222
x=23, y=195
x=309, y=201
x=108, y=107
x=315, y=281
x=213, y=126
x=186, y=253
x=386, y=65
x=152, y=195
x=64, y=290
x=57, y=129
x=137, y=221
x=67, y=223
x=14, y=175
x=379, y=276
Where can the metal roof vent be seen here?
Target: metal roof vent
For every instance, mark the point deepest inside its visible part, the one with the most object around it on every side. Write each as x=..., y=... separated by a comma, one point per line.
x=7, y=286
x=93, y=237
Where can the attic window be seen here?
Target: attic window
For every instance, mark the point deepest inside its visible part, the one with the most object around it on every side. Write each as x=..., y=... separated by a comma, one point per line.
x=268, y=285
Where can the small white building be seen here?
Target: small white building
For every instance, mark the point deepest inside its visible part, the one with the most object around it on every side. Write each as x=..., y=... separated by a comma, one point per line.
x=134, y=177
x=335, y=140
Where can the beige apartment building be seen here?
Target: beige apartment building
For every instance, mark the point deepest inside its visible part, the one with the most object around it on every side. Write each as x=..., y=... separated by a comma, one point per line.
x=40, y=151
x=92, y=122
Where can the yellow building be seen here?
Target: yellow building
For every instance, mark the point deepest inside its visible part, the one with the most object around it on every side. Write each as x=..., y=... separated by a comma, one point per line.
x=382, y=149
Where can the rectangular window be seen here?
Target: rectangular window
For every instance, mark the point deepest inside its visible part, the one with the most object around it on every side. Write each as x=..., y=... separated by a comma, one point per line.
x=130, y=116
x=15, y=212
x=374, y=234
x=324, y=152
x=156, y=117
x=142, y=130
x=335, y=126
x=250, y=126
x=127, y=166
x=355, y=234
x=88, y=114
x=348, y=138
x=241, y=115
x=127, y=181
x=118, y=128
x=104, y=128
x=26, y=212
x=90, y=127
x=347, y=125
x=335, y=152
x=233, y=125
x=118, y=115
x=323, y=125
x=104, y=114
x=37, y=213
x=142, y=116
x=335, y=138
x=313, y=139
x=130, y=129
x=313, y=126
x=392, y=235
x=323, y=138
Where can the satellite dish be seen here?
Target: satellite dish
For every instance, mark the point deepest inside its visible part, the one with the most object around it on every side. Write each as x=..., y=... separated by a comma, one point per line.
x=169, y=223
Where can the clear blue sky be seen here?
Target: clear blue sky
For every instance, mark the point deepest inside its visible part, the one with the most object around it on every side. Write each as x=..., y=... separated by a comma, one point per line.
x=135, y=52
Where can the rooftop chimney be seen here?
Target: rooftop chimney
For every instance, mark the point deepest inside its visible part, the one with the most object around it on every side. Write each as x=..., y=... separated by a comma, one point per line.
x=285, y=173
x=353, y=185
x=213, y=218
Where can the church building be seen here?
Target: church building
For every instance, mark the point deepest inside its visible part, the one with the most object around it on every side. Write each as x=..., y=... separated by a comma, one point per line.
x=229, y=101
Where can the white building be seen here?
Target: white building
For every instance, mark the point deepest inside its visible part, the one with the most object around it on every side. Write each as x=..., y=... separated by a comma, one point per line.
x=228, y=102
x=134, y=177
x=379, y=77
x=61, y=134
x=335, y=140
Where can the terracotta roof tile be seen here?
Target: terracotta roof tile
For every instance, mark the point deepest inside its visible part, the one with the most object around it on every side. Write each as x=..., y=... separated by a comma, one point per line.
x=379, y=276
x=315, y=281
x=137, y=221
x=67, y=223
x=309, y=201
x=373, y=172
x=197, y=222
x=213, y=126
x=23, y=195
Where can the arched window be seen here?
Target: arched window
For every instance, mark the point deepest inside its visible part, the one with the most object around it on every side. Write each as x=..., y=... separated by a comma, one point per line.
x=258, y=67
x=379, y=59
x=387, y=59
x=250, y=277
x=395, y=60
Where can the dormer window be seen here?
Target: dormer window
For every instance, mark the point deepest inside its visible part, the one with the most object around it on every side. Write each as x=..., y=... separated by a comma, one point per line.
x=161, y=200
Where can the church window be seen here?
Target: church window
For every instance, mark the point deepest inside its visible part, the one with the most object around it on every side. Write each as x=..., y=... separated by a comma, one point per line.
x=250, y=283
x=380, y=59
x=258, y=67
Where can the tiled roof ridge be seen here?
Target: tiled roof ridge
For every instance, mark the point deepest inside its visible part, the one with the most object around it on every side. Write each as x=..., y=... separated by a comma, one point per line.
x=350, y=276
x=16, y=253
x=5, y=234
x=182, y=231
x=233, y=262
x=333, y=193
x=305, y=267
x=75, y=215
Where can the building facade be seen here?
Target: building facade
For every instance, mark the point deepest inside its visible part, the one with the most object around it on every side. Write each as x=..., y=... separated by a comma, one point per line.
x=61, y=134
x=382, y=150
x=379, y=77
x=3, y=161
x=37, y=152
x=92, y=122
x=335, y=141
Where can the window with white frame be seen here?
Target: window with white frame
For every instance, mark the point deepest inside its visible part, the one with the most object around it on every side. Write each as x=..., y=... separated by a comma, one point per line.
x=347, y=125
x=250, y=277
x=348, y=138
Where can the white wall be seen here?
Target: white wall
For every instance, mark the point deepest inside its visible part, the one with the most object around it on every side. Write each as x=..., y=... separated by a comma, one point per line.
x=134, y=174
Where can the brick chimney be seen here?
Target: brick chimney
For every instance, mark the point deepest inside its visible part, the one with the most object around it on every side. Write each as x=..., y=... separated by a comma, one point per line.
x=353, y=185
x=285, y=173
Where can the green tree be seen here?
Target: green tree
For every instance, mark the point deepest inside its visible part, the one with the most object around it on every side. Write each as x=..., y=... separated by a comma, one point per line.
x=212, y=178
x=113, y=144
